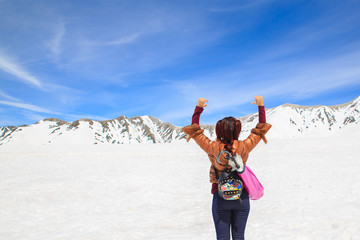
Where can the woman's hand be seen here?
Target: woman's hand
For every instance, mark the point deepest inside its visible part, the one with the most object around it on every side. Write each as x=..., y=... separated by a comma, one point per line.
x=258, y=101
x=202, y=102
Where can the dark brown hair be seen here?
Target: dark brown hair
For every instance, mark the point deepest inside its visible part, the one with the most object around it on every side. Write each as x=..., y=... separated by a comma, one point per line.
x=227, y=130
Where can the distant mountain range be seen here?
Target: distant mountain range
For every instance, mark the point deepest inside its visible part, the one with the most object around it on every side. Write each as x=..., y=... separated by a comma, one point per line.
x=288, y=120
x=291, y=120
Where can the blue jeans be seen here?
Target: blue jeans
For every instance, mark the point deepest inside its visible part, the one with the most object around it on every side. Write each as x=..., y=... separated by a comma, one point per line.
x=230, y=214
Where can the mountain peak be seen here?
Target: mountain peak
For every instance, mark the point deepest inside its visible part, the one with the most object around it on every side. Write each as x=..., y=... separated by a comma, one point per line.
x=288, y=120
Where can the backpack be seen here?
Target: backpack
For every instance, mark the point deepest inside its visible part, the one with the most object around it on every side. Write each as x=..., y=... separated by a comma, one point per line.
x=230, y=185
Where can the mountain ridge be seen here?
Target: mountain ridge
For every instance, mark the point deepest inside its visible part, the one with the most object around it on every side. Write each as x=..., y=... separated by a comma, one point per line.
x=288, y=120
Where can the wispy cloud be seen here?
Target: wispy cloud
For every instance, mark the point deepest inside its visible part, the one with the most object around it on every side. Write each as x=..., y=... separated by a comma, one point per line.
x=299, y=40
x=7, y=96
x=55, y=43
x=19, y=72
x=34, y=116
x=228, y=89
x=33, y=108
x=310, y=76
x=112, y=58
x=85, y=116
x=119, y=41
x=238, y=5
x=127, y=39
x=30, y=107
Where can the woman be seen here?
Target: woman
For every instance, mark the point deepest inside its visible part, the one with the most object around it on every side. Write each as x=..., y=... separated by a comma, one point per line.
x=228, y=214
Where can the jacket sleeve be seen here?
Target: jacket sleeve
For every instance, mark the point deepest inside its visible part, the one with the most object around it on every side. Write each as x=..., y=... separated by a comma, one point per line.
x=196, y=116
x=194, y=131
x=256, y=135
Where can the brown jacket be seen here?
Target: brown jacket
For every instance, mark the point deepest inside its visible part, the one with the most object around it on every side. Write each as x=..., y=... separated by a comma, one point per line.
x=213, y=148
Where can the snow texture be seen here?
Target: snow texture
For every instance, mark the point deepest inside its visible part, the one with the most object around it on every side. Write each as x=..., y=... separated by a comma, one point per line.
x=162, y=191
x=83, y=180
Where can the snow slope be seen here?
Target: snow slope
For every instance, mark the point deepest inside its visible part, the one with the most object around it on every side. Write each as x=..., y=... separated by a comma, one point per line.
x=145, y=129
x=291, y=120
x=288, y=121
x=65, y=191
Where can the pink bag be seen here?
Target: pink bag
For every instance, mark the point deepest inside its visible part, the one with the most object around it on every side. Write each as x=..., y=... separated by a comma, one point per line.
x=252, y=184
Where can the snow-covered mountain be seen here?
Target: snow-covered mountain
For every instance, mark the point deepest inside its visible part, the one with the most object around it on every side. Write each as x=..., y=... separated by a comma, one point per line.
x=121, y=130
x=288, y=120
x=291, y=120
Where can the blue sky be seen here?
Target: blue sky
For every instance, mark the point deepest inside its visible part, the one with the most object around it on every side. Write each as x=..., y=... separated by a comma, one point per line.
x=104, y=59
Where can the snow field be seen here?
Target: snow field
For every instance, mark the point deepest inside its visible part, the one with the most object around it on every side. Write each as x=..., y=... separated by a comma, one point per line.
x=99, y=192
x=162, y=191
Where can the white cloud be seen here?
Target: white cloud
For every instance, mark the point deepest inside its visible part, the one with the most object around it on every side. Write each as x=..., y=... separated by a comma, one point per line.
x=229, y=88
x=123, y=40
x=28, y=107
x=5, y=95
x=238, y=5
x=36, y=117
x=74, y=117
x=18, y=71
x=55, y=43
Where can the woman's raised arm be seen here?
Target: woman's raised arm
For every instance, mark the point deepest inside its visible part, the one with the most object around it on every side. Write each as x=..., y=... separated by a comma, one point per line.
x=202, y=102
